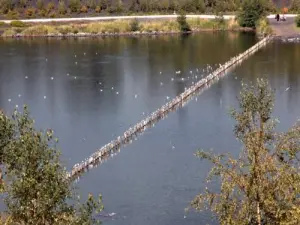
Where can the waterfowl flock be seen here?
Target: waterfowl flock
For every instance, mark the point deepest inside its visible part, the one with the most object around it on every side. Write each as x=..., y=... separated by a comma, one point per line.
x=112, y=148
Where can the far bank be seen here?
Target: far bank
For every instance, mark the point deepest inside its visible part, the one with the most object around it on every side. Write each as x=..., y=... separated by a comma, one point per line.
x=119, y=27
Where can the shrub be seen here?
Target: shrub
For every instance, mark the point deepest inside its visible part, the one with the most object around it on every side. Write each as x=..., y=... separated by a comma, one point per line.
x=30, y=12
x=84, y=9
x=134, y=25
x=183, y=25
x=297, y=21
x=17, y=23
x=263, y=27
x=2, y=24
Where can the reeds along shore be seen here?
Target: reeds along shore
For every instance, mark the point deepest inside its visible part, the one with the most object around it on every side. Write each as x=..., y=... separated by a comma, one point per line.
x=118, y=27
x=114, y=146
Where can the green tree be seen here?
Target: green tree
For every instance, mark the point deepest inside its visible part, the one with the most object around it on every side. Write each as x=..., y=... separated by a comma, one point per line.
x=251, y=12
x=184, y=26
x=35, y=185
x=262, y=186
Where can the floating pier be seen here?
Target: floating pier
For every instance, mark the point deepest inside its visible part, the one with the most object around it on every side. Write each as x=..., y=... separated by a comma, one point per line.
x=112, y=148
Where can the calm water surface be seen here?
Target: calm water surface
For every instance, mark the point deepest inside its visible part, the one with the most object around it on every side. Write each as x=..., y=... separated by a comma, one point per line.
x=91, y=90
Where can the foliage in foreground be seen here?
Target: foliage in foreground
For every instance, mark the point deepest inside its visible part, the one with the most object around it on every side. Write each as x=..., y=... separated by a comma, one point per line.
x=34, y=184
x=262, y=186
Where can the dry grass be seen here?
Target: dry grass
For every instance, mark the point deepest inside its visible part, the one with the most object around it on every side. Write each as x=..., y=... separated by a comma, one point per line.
x=164, y=26
x=9, y=32
x=39, y=30
x=107, y=27
x=119, y=26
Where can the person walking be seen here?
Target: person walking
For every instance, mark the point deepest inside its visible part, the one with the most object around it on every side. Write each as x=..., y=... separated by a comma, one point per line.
x=277, y=17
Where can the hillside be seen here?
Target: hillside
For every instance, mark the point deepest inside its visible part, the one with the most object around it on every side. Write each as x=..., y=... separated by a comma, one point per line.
x=14, y=9
x=54, y=8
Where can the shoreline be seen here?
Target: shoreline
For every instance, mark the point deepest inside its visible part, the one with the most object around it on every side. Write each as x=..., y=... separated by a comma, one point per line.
x=125, y=34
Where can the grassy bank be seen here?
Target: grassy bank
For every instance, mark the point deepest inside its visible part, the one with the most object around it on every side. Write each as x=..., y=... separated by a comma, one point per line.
x=18, y=28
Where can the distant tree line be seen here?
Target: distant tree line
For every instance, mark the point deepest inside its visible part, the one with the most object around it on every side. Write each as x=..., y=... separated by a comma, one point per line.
x=56, y=8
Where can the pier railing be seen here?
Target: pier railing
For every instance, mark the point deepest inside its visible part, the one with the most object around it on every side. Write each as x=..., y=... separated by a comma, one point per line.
x=113, y=147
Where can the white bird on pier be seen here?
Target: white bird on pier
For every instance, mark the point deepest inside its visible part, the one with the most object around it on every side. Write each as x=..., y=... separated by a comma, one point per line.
x=172, y=79
x=17, y=106
x=167, y=97
x=288, y=88
x=101, y=90
x=160, y=72
x=135, y=96
x=76, y=63
x=75, y=56
x=84, y=53
x=117, y=92
x=45, y=97
x=52, y=78
x=19, y=95
x=26, y=77
x=112, y=88
x=75, y=77
x=161, y=83
x=182, y=79
x=9, y=100
x=68, y=74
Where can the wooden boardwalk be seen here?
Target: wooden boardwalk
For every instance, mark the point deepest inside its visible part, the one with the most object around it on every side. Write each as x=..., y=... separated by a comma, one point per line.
x=113, y=147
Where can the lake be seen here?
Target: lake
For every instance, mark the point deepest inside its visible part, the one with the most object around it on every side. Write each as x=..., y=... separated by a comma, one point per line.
x=91, y=90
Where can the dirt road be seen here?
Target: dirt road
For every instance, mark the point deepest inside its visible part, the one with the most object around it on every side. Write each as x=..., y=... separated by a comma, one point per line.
x=284, y=28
